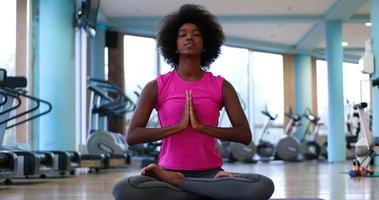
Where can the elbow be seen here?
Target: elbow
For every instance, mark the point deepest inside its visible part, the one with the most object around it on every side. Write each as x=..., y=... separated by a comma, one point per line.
x=248, y=138
x=130, y=140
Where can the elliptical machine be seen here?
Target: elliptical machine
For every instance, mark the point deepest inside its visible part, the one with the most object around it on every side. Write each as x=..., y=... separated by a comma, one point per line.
x=107, y=100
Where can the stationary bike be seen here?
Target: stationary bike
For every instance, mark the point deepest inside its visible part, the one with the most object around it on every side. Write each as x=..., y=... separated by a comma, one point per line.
x=309, y=147
x=234, y=151
x=288, y=147
x=266, y=149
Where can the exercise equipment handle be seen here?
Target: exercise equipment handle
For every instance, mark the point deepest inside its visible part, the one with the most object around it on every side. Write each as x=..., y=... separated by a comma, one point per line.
x=290, y=114
x=310, y=116
x=265, y=112
x=362, y=105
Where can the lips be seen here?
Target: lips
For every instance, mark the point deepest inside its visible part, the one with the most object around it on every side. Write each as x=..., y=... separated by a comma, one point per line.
x=189, y=44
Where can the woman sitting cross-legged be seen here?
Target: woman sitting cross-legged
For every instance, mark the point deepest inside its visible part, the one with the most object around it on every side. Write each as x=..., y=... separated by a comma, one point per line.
x=188, y=100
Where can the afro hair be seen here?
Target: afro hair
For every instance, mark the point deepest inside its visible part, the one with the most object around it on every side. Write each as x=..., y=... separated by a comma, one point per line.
x=208, y=25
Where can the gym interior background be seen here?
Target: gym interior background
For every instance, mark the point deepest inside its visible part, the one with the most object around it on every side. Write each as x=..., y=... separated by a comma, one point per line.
x=278, y=55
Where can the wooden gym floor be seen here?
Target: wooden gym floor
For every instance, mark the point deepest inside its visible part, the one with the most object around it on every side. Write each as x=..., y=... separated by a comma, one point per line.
x=311, y=179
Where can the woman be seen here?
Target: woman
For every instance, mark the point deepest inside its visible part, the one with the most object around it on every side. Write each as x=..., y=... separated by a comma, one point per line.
x=188, y=101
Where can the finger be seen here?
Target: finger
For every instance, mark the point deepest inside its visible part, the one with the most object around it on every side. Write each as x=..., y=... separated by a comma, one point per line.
x=190, y=98
x=187, y=100
x=187, y=95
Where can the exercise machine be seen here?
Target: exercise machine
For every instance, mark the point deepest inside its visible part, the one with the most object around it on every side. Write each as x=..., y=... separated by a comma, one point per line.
x=242, y=152
x=28, y=163
x=310, y=149
x=107, y=101
x=8, y=165
x=288, y=147
x=266, y=149
x=353, y=128
x=366, y=148
x=147, y=152
x=235, y=151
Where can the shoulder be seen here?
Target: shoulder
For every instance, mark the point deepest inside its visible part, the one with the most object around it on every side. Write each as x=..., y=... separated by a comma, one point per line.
x=227, y=87
x=166, y=75
x=217, y=79
x=151, y=87
x=163, y=79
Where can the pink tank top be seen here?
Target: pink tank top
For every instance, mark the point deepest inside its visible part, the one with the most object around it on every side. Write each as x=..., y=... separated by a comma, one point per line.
x=189, y=149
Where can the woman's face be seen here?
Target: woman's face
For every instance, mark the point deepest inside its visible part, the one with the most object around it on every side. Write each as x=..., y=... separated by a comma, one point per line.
x=189, y=40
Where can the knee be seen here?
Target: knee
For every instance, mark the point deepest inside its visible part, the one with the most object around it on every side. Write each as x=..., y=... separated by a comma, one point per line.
x=266, y=187
x=261, y=187
x=119, y=190
x=270, y=186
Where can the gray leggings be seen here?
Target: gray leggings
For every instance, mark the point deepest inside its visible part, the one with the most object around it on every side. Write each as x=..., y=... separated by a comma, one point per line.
x=196, y=185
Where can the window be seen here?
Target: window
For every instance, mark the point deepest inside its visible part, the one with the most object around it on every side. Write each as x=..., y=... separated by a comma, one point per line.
x=356, y=87
x=267, y=74
x=140, y=60
x=250, y=73
x=163, y=66
x=140, y=64
x=322, y=90
x=233, y=64
x=8, y=60
x=8, y=37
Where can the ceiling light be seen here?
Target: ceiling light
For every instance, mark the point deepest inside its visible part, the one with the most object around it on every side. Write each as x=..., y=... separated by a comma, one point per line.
x=291, y=8
x=344, y=44
x=368, y=24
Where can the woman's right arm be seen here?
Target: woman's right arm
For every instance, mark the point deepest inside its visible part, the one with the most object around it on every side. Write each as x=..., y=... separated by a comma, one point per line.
x=137, y=132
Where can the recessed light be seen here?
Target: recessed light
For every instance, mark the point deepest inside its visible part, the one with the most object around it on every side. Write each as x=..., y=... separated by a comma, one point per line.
x=291, y=8
x=344, y=44
x=368, y=24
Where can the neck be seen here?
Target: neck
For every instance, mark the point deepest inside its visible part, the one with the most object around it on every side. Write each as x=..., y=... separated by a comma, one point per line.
x=190, y=69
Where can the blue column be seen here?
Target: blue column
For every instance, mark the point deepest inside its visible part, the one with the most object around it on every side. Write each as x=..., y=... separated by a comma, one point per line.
x=54, y=72
x=374, y=14
x=97, y=53
x=303, y=88
x=334, y=55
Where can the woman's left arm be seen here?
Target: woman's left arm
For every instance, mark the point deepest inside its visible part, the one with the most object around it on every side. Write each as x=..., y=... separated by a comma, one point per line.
x=240, y=130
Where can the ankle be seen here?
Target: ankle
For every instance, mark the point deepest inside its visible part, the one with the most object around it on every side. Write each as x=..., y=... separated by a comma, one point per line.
x=177, y=179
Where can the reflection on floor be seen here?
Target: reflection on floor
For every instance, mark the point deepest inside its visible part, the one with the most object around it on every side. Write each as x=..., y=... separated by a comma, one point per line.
x=311, y=179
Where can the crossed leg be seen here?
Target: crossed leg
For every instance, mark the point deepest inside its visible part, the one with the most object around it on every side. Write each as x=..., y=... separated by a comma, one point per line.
x=244, y=186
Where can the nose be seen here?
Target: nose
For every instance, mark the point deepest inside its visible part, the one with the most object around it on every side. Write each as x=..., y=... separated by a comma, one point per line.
x=189, y=37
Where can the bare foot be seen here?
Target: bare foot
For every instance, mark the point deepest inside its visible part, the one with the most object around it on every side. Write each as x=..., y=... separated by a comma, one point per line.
x=222, y=174
x=172, y=178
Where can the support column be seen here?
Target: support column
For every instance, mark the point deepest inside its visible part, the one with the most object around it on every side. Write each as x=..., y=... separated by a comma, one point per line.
x=97, y=53
x=334, y=55
x=303, y=88
x=54, y=72
x=374, y=15
x=289, y=85
x=23, y=131
x=116, y=76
